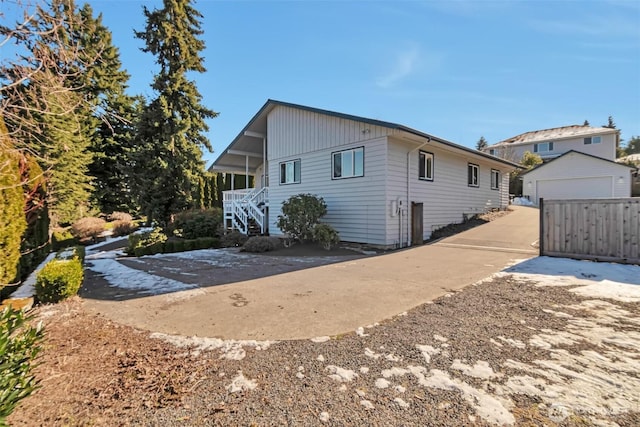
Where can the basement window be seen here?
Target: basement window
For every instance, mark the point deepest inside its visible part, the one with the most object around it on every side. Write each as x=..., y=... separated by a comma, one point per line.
x=290, y=172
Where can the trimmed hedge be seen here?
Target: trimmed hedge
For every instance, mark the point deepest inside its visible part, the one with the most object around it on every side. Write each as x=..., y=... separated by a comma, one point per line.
x=59, y=279
x=172, y=246
x=259, y=244
x=197, y=223
x=62, y=239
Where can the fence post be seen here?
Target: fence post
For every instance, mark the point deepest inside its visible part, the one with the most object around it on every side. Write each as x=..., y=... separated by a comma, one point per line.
x=541, y=229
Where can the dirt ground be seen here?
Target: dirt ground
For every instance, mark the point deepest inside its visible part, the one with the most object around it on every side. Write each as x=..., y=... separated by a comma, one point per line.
x=469, y=358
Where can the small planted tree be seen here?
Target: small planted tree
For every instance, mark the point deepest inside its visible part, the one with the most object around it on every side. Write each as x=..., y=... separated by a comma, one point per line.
x=300, y=214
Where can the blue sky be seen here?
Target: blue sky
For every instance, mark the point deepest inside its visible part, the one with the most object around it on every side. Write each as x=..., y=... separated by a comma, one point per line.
x=455, y=69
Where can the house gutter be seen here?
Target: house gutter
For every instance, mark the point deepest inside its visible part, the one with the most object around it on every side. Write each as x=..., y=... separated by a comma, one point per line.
x=409, y=190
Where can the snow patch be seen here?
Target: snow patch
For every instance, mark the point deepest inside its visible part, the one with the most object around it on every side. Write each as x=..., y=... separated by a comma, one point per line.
x=320, y=339
x=324, y=417
x=401, y=403
x=522, y=201
x=360, y=332
x=240, y=383
x=372, y=354
x=123, y=277
x=486, y=406
x=382, y=383
x=231, y=349
x=481, y=369
x=427, y=351
x=340, y=374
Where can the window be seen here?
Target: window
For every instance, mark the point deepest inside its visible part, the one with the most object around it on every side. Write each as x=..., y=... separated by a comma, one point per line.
x=492, y=152
x=543, y=147
x=495, y=179
x=425, y=166
x=472, y=175
x=348, y=163
x=290, y=172
x=592, y=140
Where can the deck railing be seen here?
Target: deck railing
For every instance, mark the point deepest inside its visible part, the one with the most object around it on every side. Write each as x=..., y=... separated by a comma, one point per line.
x=241, y=206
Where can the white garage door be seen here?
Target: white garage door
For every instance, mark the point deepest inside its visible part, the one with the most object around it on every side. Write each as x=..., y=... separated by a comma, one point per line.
x=576, y=188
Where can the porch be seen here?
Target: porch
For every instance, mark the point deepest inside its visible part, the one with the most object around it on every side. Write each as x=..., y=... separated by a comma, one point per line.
x=246, y=210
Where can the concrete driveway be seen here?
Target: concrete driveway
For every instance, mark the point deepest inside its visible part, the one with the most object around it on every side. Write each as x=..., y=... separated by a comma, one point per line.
x=336, y=298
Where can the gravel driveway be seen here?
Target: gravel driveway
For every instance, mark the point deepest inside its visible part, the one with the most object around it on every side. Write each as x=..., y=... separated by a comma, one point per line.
x=546, y=342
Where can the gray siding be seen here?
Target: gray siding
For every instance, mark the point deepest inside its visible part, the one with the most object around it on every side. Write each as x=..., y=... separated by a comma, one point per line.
x=448, y=197
x=354, y=205
x=292, y=131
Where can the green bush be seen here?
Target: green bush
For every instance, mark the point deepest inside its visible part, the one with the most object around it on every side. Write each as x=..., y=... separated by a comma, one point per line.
x=197, y=223
x=12, y=219
x=300, y=214
x=326, y=235
x=59, y=279
x=19, y=346
x=233, y=239
x=142, y=240
x=62, y=239
x=208, y=243
x=88, y=228
x=261, y=244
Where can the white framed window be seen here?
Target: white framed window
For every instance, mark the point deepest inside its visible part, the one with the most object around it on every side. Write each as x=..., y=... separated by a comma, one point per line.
x=592, y=140
x=543, y=147
x=472, y=175
x=492, y=152
x=425, y=166
x=347, y=163
x=495, y=179
x=290, y=172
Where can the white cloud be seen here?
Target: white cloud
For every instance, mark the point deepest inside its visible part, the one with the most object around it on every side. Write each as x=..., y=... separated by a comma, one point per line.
x=404, y=65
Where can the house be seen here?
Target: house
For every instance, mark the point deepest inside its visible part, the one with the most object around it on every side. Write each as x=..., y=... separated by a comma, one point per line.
x=576, y=175
x=384, y=184
x=550, y=143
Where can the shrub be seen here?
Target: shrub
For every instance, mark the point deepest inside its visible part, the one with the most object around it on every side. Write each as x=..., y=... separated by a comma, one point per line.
x=208, y=242
x=300, y=214
x=197, y=223
x=88, y=228
x=62, y=239
x=142, y=240
x=120, y=216
x=326, y=235
x=12, y=220
x=233, y=239
x=258, y=244
x=19, y=346
x=74, y=252
x=59, y=279
x=123, y=227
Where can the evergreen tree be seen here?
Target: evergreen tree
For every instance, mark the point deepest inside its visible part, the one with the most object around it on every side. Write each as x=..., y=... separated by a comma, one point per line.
x=633, y=146
x=586, y=123
x=170, y=138
x=610, y=123
x=482, y=144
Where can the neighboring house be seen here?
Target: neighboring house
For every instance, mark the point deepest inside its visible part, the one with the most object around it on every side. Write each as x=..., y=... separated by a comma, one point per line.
x=575, y=175
x=551, y=143
x=384, y=184
x=633, y=159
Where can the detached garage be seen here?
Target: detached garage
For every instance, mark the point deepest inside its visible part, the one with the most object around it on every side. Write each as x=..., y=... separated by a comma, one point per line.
x=576, y=175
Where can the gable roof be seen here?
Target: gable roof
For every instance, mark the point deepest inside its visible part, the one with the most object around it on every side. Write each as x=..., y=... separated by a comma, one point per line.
x=554, y=134
x=581, y=154
x=258, y=124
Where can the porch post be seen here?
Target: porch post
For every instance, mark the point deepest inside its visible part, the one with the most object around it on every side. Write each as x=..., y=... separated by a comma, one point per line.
x=233, y=179
x=246, y=171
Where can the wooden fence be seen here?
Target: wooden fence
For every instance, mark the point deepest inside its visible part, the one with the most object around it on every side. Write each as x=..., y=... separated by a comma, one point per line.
x=595, y=229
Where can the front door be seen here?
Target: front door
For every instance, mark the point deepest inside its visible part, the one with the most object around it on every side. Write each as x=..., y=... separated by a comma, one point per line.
x=416, y=224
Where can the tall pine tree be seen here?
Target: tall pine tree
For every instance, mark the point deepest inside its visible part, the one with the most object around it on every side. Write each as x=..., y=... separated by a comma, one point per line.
x=170, y=138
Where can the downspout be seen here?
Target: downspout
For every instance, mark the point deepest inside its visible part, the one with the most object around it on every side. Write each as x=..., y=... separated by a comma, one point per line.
x=409, y=188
